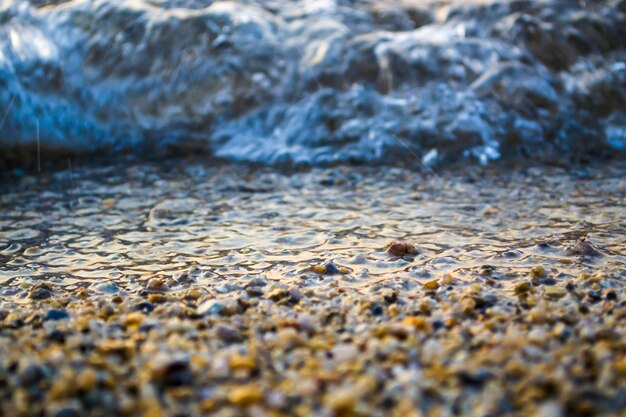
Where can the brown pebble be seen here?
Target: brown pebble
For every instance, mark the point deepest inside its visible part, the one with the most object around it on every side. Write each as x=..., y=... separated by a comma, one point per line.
x=398, y=248
x=522, y=288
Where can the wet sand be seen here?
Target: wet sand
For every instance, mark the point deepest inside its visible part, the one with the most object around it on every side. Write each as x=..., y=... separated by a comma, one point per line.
x=184, y=289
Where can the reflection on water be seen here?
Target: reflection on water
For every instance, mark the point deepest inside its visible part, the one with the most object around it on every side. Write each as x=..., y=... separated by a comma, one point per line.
x=132, y=223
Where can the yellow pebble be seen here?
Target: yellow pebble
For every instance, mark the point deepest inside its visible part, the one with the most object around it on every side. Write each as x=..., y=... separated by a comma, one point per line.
x=538, y=272
x=318, y=269
x=87, y=379
x=156, y=284
x=241, y=362
x=420, y=324
x=134, y=320
x=431, y=285
x=157, y=298
x=245, y=395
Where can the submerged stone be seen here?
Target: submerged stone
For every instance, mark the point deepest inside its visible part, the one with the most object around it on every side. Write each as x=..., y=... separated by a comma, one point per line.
x=584, y=248
x=398, y=248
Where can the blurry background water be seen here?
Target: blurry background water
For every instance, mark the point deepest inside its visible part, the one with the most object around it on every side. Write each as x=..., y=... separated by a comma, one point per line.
x=323, y=81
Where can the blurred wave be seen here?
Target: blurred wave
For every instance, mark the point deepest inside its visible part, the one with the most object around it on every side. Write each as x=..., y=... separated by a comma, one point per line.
x=316, y=81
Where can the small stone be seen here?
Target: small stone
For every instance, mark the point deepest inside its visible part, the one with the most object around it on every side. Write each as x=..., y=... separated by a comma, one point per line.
x=56, y=336
x=254, y=292
x=345, y=352
x=68, y=412
x=490, y=211
x=242, y=362
x=432, y=285
x=245, y=396
x=228, y=334
x=157, y=298
x=390, y=296
x=447, y=279
x=116, y=346
x=134, y=320
x=547, y=281
x=144, y=307
x=377, y=309
x=86, y=379
x=40, y=293
x=256, y=282
x=55, y=315
x=487, y=270
x=418, y=323
x=212, y=308
x=522, y=288
x=538, y=272
x=32, y=374
x=193, y=294
x=223, y=307
x=584, y=248
x=105, y=288
x=170, y=371
x=341, y=401
x=329, y=268
x=278, y=294
x=555, y=292
x=82, y=292
x=318, y=269
x=398, y=248
x=283, y=295
x=156, y=284
x=294, y=296
x=474, y=378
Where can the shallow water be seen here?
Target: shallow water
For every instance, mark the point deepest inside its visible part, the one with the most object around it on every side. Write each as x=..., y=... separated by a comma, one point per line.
x=127, y=224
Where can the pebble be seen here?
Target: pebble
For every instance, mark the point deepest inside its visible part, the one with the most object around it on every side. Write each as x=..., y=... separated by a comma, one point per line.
x=329, y=268
x=105, y=288
x=40, y=293
x=218, y=307
x=156, y=284
x=228, y=334
x=584, y=248
x=55, y=315
x=68, y=412
x=522, y=288
x=144, y=307
x=431, y=285
x=134, y=320
x=244, y=396
x=538, y=272
x=170, y=370
x=400, y=248
x=86, y=380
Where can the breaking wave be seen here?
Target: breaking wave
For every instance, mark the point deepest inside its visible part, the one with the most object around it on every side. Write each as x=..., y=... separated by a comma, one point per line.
x=280, y=81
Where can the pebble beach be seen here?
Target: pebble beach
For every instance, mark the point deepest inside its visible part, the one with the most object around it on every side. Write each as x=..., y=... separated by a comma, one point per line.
x=190, y=289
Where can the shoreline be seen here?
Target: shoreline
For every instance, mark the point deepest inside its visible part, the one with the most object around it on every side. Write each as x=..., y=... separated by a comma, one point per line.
x=190, y=289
